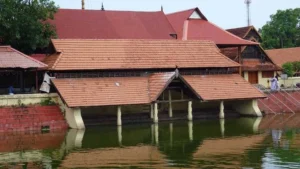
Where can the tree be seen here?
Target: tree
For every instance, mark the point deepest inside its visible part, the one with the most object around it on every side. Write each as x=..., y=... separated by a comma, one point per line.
x=23, y=24
x=283, y=31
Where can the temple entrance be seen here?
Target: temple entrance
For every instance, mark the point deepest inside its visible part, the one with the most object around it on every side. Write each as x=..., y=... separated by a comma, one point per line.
x=253, y=77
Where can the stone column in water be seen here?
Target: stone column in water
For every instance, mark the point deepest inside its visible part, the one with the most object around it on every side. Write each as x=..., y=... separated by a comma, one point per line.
x=222, y=127
x=190, y=126
x=120, y=135
x=190, y=111
x=156, y=133
x=171, y=134
x=151, y=111
x=155, y=118
x=222, y=115
x=170, y=105
x=119, y=118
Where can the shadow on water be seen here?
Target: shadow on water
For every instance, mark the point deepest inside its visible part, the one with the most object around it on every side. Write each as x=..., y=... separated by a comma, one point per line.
x=270, y=142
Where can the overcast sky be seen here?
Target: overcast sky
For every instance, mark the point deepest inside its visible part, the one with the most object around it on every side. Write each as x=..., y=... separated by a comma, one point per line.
x=224, y=13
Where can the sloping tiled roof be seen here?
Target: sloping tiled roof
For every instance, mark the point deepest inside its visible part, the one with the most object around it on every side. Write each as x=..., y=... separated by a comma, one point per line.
x=158, y=82
x=222, y=87
x=98, y=24
x=39, y=57
x=114, y=90
x=281, y=56
x=103, y=91
x=256, y=65
x=240, y=32
x=251, y=64
x=201, y=29
x=135, y=54
x=11, y=58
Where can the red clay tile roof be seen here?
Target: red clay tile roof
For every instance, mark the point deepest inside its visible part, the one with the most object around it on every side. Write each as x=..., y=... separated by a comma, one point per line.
x=39, y=57
x=222, y=87
x=103, y=91
x=281, y=56
x=135, y=54
x=11, y=58
x=256, y=65
x=251, y=64
x=158, y=82
x=114, y=90
x=240, y=32
x=98, y=24
x=201, y=29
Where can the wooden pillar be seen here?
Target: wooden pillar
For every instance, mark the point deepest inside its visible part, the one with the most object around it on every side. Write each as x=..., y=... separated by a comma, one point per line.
x=151, y=111
x=155, y=117
x=190, y=111
x=119, y=116
x=240, y=59
x=222, y=115
x=170, y=105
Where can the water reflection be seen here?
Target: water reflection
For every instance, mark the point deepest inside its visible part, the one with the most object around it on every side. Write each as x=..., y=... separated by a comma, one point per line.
x=271, y=142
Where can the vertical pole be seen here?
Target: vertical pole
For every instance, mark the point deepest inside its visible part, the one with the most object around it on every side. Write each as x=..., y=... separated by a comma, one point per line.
x=170, y=105
x=119, y=118
x=222, y=127
x=190, y=126
x=151, y=111
x=190, y=111
x=152, y=133
x=155, y=118
x=171, y=134
x=156, y=133
x=120, y=135
x=222, y=115
x=240, y=59
x=82, y=4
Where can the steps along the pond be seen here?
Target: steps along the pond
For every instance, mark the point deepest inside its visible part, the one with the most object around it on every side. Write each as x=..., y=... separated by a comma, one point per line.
x=280, y=102
x=31, y=118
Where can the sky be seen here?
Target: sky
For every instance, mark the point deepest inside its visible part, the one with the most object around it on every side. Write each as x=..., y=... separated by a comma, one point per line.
x=224, y=13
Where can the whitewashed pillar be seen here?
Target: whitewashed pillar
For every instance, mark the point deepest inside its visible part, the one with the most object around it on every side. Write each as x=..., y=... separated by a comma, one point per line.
x=119, y=116
x=171, y=134
x=222, y=115
x=170, y=105
x=120, y=135
x=156, y=134
x=155, y=118
x=151, y=111
x=190, y=111
x=222, y=127
x=190, y=126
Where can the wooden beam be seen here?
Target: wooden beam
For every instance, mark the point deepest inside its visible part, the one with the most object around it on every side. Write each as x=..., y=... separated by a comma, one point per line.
x=173, y=101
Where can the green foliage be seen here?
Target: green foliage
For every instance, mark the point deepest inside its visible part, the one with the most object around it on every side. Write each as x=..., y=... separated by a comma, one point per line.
x=47, y=102
x=283, y=31
x=23, y=23
x=288, y=69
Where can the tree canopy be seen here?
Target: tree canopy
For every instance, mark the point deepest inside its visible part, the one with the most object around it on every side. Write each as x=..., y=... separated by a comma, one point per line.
x=23, y=23
x=283, y=31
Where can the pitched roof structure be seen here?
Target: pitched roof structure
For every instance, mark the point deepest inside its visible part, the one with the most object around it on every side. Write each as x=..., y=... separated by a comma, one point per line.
x=99, y=24
x=222, y=87
x=87, y=92
x=135, y=54
x=251, y=64
x=11, y=58
x=281, y=56
x=202, y=29
x=242, y=32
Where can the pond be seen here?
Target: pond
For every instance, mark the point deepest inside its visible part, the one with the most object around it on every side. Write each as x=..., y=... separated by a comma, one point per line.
x=270, y=142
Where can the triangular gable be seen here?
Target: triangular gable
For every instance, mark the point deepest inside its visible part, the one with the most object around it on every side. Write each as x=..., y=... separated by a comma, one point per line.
x=195, y=15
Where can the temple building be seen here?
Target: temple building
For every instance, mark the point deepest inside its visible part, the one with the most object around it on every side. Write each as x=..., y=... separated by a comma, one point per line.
x=257, y=65
x=159, y=79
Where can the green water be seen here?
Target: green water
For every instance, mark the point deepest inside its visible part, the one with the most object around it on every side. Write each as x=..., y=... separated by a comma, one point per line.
x=272, y=142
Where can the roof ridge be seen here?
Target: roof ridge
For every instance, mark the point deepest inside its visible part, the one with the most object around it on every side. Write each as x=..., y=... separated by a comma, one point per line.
x=28, y=57
x=57, y=60
x=181, y=11
x=99, y=10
